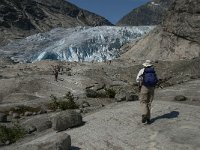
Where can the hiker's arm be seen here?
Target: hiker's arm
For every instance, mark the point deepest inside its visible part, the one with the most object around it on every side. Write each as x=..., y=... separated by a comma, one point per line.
x=139, y=79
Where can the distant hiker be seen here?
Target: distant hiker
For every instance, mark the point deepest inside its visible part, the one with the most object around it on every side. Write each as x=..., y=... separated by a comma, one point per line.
x=60, y=69
x=147, y=80
x=109, y=62
x=56, y=72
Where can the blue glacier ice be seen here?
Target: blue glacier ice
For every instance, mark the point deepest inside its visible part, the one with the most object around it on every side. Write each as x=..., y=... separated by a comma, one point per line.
x=75, y=44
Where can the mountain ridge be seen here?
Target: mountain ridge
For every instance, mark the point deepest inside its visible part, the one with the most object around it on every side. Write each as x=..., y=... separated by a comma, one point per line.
x=150, y=13
x=26, y=17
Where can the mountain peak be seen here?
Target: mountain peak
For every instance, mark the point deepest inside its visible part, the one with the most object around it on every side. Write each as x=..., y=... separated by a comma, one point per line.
x=150, y=13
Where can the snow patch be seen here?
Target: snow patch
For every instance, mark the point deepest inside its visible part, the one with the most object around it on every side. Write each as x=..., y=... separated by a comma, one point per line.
x=153, y=3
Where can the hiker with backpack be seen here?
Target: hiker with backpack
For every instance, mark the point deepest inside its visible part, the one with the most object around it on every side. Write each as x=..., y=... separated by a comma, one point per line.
x=147, y=80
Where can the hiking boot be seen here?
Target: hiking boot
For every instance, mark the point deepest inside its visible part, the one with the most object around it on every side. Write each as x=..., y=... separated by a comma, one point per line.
x=144, y=119
x=148, y=121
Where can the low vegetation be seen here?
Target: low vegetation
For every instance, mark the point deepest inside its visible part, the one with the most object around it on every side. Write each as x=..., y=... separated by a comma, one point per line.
x=110, y=93
x=64, y=103
x=11, y=134
x=106, y=93
x=21, y=109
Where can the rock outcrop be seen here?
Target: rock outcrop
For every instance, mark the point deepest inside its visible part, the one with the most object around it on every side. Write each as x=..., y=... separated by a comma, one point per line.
x=59, y=121
x=151, y=13
x=65, y=120
x=183, y=20
x=21, y=18
x=176, y=38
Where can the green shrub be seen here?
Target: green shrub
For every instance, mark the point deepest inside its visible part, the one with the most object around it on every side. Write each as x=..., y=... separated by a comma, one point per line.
x=11, y=134
x=54, y=104
x=21, y=109
x=67, y=102
x=110, y=93
x=91, y=93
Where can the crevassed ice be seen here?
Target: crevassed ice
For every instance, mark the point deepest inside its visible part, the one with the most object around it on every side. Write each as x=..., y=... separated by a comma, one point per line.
x=77, y=44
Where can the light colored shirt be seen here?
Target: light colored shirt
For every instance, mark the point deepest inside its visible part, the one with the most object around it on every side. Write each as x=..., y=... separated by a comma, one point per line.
x=139, y=75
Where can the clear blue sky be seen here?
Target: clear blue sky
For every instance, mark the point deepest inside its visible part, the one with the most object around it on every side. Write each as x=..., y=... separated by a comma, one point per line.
x=113, y=10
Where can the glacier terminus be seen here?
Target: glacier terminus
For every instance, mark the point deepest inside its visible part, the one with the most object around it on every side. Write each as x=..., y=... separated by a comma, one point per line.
x=75, y=44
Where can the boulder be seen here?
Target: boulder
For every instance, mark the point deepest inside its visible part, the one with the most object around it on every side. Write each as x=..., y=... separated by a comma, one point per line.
x=85, y=104
x=10, y=112
x=3, y=117
x=30, y=129
x=131, y=97
x=7, y=142
x=66, y=119
x=126, y=95
x=52, y=141
x=98, y=86
x=91, y=93
x=28, y=113
x=180, y=98
x=42, y=111
x=34, y=113
x=15, y=115
x=121, y=96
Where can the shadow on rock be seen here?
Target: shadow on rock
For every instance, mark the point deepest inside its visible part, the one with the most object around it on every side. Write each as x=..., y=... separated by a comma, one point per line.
x=74, y=148
x=173, y=114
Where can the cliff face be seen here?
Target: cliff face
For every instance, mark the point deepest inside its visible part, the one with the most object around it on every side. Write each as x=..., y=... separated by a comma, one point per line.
x=177, y=37
x=149, y=14
x=183, y=20
x=25, y=17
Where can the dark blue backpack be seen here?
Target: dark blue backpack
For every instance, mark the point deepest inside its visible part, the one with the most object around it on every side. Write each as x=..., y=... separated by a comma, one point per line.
x=149, y=77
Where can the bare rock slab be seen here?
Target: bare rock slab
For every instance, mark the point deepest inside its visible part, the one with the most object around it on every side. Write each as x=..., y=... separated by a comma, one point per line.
x=118, y=127
x=41, y=122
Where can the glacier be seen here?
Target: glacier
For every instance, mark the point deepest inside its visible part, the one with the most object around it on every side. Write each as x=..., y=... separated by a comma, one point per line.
x=75, y=44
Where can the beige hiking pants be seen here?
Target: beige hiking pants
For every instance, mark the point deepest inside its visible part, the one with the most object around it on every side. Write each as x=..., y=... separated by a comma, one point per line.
x=146, y=97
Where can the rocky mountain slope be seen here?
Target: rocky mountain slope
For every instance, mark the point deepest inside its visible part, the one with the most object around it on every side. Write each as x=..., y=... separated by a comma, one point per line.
x=74, y=44
x=21, y=18
x=176, y=38
x=151, y=13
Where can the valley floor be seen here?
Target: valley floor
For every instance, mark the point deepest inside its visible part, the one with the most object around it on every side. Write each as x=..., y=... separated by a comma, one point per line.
x=113, y=125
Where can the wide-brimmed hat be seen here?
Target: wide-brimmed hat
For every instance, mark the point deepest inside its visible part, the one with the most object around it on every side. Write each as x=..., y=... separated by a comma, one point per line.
x=147, y=63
